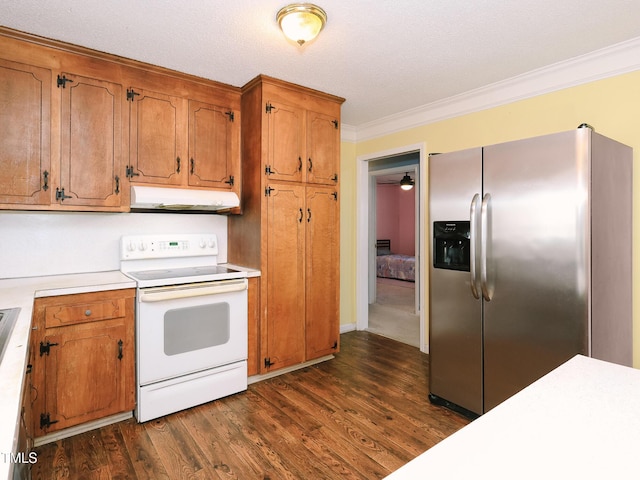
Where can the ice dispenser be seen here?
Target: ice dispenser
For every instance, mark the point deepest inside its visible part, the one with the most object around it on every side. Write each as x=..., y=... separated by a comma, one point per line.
x=451, y=245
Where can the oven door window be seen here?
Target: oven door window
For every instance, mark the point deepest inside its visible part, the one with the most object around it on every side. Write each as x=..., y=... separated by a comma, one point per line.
x=194, y=328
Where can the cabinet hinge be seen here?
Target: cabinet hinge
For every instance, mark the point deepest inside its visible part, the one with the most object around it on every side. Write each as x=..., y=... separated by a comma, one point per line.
x=335, y=196
x=230, y=181
x=335, y=123
x=131, y=93
x=269, y=107
x=267, y=191
x=267, y=362
x=130, y=173
x=62, y=81
x=46, y=347
x=45, y=421
x=231, y=115
x=60, y=195
x=267, y=170
x=335, y=345
x=335, y=178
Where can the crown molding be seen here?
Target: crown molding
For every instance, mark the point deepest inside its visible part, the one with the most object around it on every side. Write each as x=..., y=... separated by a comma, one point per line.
x=604, y=63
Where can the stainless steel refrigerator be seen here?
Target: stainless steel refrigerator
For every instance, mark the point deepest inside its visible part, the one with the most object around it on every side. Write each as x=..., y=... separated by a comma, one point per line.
x=530, y=263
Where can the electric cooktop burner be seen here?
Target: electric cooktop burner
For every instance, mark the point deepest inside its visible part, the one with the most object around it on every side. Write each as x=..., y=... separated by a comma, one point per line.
x=181, y=272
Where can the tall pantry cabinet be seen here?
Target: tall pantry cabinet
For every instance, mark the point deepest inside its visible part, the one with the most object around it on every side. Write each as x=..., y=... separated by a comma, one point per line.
x=290, y=223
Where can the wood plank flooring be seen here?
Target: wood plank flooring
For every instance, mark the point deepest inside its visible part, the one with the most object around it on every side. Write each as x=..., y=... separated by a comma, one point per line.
x=361, y=415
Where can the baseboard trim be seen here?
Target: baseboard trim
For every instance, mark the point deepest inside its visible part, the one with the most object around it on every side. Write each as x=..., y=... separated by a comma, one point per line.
x=78, y=429
x=293, y=368
x=348, y=327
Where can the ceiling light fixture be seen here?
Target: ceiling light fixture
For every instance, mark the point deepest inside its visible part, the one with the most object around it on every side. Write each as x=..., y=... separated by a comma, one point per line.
x=406, y=183
x=301, y=22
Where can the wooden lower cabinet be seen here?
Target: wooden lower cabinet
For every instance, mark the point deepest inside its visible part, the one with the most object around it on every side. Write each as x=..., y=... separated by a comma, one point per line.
x=283, y=334
x=322, y=272
x=253, y=360
x=300, y=276
x=83, y=358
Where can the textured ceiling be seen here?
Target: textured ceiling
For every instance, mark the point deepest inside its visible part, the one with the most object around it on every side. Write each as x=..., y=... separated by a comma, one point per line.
x=384, y=57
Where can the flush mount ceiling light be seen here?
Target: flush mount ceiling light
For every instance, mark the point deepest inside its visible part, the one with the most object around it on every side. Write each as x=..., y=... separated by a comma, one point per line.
x=301, y=22
x=406, y=183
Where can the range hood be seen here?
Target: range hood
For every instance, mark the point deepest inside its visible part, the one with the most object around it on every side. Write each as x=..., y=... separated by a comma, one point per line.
x=161, y=198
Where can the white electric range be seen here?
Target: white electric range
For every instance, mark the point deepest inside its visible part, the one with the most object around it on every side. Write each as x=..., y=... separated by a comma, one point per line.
x=191, y=322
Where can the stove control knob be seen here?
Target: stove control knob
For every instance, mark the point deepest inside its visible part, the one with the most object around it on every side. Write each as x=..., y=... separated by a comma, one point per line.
x=212, y=243
x=203, y=243
x=142, y=246
x=131, y=246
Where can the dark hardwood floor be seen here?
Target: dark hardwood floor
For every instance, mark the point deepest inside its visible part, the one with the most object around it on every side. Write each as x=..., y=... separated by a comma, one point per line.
x=361, y=415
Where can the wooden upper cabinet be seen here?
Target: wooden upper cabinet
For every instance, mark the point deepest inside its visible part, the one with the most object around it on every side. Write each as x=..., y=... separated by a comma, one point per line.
x=25, y=116
x=72, y=140
x=304, y=146
x=323, y=149
x=94, y=119
x=156, y=137
x=286, y=158
x=214, y=146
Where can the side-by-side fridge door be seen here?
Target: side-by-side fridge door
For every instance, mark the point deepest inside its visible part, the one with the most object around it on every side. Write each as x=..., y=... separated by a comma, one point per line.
x=455, y=315
x=537, y=224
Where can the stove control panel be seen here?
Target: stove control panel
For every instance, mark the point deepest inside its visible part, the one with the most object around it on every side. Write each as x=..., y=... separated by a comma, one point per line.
x=134, y=247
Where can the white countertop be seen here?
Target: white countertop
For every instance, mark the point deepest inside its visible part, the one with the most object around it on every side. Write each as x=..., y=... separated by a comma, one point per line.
x=582, y=421
x=20, y=293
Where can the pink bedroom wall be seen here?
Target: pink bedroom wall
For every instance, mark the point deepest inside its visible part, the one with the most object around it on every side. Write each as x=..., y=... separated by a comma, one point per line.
x=395, y=218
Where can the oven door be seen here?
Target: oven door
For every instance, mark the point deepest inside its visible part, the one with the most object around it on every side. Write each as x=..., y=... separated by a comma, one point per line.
x=189, y=328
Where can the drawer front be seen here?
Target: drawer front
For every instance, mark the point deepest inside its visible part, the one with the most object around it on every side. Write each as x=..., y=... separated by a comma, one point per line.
x=63, y=315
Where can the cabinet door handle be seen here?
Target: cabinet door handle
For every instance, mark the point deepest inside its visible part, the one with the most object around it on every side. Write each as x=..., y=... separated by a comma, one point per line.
x=178, y=165
x=299, y=164
x=117, y=185
x=120, y=349
x=308, y=215
x=310, y=164
x=301, y=216
x=45, y=180
x=87, y=313
x=193, y=165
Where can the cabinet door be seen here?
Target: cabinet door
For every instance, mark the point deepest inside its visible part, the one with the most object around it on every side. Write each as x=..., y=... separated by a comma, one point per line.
x=81, y=371
x=158, y=129
x=84, y=374
x=253, y=357
x=214, y=159
x=25, y=113
x=283, y=335
x=322, y=272
x=323, y=149
x=91, y=159
x=286, y=143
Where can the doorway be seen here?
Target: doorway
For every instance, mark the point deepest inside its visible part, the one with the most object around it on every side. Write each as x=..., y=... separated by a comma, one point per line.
x=385, y=165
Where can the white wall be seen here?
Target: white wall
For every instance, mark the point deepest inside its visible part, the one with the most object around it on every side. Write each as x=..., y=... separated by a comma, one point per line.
x=51, y=243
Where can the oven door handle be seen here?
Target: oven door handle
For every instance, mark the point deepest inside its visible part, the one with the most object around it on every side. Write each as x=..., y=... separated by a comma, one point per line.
x=159, y=294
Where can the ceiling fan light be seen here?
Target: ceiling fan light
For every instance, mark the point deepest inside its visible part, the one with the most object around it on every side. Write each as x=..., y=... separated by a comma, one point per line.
x=406, y=183
x=301, y=22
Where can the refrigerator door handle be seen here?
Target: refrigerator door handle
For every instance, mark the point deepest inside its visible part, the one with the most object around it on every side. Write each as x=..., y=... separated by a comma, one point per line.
x=473, y=227
x=484, y=242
